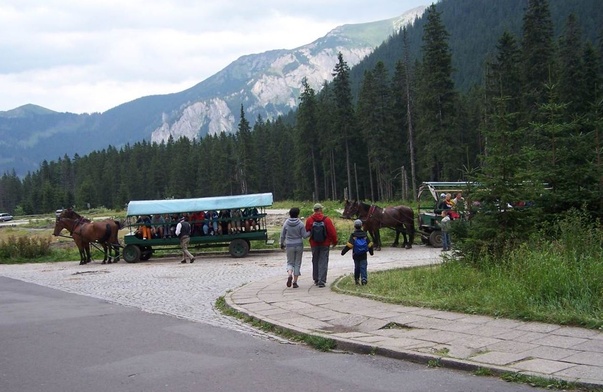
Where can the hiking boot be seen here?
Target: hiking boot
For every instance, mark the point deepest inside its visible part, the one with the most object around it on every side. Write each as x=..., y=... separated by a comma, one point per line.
x=364, y=282
x=192, y=260
x=183, y=261
x=321, y=285
x=357, y=282
x=295, y=285
x=289, y=279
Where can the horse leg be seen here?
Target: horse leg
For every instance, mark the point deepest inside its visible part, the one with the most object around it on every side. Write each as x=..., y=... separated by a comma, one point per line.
x=105, y=257
x=82, y=256
x=81, y=249
x=405, y=244
x=397, y=240
x=411, y=237
x=377, y=239
x=115, y=252
x=87, y=249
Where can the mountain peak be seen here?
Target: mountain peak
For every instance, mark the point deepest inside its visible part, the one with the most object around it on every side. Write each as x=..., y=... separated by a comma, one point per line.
x=28, y=110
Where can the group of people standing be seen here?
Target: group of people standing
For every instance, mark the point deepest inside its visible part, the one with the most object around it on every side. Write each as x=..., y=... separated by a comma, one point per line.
x=211, y=222
x=322, y=235
x=451, y=209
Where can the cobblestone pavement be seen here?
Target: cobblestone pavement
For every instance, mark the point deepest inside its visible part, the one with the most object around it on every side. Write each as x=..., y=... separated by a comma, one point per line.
x=188, y=291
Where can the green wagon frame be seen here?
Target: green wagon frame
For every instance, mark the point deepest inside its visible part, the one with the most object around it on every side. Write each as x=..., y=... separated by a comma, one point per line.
x=238, y=244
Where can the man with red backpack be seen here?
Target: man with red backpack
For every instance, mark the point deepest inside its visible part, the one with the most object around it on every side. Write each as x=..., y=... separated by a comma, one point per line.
x=322, y=235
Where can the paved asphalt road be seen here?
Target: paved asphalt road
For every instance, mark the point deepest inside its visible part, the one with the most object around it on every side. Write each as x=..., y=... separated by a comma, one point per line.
x=55, y=341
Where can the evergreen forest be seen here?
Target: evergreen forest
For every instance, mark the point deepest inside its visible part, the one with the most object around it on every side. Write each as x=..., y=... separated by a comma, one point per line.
x=533, y=117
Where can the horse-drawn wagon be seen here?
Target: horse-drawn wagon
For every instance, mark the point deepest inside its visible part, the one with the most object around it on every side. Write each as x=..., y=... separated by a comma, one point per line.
x=244, y=222
x=430, y=211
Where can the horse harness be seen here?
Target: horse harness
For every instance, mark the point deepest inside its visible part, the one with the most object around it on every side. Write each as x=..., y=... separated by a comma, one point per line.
x=378, y=214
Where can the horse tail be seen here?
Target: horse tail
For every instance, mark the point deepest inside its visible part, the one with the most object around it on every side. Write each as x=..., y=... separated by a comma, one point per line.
x=107, y=235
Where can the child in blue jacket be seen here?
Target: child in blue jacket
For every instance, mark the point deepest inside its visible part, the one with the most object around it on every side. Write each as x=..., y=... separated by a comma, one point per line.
x=360, y=245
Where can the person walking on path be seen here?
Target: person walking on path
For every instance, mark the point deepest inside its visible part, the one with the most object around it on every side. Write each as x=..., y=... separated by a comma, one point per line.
x=322, y=235
x=183, y=231
x=292, y=239
x=445, y=226
x=360, y=246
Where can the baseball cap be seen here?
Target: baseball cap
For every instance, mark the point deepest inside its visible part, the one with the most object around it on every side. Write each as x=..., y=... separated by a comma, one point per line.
x=317, y=206
x=357, y=223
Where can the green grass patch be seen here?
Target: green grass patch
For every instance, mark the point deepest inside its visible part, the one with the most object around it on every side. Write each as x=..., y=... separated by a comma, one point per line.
x=554, y=281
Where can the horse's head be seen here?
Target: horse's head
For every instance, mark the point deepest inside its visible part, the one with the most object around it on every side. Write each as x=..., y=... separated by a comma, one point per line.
x=70, y=214
x=350, y=210
x=63, y=223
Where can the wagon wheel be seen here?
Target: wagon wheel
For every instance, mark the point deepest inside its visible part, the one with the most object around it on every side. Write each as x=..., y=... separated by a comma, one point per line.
x=238, y=248
x=131, y=253
x=435, y=239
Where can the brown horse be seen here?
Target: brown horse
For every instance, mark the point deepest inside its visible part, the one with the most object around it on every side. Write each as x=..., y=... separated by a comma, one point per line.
x=84, y=232
x=111, y=246
x=399, y=218
x=350, y=211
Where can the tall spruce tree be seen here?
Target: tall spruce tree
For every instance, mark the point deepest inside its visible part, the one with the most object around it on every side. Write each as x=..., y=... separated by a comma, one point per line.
x=435, y=98
x=367, y=100
x=537, y=53
x=307, y=140
x=344, y=115
x=504, y=75
x=571, y=69
x=401, y=119
x=244, y=153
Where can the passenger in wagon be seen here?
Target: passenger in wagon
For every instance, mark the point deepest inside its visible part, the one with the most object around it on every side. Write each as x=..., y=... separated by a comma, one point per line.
x=144, y=228
x=157, y=226
x=212, y=219
x=236, y=220
x=225, y=223
x=251, y=221
x=197, y=223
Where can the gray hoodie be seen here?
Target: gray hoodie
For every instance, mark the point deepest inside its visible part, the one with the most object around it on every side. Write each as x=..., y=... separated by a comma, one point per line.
x=293, y=232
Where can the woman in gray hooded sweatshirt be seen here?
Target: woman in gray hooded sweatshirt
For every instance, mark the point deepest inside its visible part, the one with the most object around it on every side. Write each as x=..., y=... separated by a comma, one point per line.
x=292, y=238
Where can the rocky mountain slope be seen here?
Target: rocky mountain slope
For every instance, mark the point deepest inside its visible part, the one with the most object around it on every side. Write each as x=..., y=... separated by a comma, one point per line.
x=266, y=84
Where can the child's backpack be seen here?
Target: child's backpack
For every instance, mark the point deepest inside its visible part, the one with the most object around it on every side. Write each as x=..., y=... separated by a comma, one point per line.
x=319, y=231
x=360, y=245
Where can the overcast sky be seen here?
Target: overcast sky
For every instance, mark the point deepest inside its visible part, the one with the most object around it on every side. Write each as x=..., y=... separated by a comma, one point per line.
x=91, y=55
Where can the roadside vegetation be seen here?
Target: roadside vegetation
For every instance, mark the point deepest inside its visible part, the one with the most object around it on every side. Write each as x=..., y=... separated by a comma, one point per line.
x=554, y=279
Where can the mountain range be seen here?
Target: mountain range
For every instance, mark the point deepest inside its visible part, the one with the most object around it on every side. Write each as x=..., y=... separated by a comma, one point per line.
x=266, y=85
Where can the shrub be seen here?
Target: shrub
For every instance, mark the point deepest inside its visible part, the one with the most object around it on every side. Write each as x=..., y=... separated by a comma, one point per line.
x=23, y=247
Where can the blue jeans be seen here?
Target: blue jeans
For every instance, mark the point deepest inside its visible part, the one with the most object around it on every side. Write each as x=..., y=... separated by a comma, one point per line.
x=360, y=270
x=445, y=240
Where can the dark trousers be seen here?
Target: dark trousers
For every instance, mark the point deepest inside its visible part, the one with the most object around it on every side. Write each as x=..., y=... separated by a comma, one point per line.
x=320, y=264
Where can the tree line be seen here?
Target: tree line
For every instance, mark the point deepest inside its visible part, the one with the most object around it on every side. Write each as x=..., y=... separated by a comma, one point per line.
x=536, y=118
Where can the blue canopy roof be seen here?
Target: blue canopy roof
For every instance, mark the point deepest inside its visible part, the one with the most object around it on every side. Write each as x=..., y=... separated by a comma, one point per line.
x=176, y=206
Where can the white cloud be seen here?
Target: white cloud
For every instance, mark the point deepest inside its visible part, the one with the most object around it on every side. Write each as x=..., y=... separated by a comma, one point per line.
x=90, y=56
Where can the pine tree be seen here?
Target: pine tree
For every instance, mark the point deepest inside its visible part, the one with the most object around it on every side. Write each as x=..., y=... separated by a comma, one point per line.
x=537, y=53
x=344, y=115
x=244, y=156
x=435, y=131
x=504, y=75
x=571, y=69
x=307, y=140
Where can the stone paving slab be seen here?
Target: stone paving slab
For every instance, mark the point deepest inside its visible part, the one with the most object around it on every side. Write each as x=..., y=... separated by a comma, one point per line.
x=457, y=340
